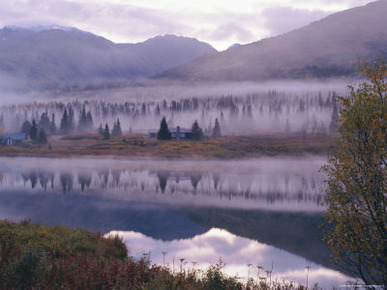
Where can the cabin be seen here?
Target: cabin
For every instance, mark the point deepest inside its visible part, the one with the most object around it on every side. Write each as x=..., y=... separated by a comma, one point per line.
x=176, y=133
x=12, y=139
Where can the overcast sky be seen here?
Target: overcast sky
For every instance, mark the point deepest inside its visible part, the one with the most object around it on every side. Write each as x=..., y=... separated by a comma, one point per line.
x=218, y=22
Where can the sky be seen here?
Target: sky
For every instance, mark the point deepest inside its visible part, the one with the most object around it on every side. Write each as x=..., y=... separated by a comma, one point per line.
x=220, y=23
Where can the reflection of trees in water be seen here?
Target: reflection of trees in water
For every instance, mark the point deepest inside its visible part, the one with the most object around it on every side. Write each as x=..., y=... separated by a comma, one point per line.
x=116, y=174
x=163, y=179
x=215, y=178
x=66, y=179
x=104, y=175
x=84, y=179
x=45, y=177
x=33, y=178
x=270, y=189
x=195, y=178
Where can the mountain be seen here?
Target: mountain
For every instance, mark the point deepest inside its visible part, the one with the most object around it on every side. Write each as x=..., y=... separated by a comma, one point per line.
x=326, y=48
x=58, y=56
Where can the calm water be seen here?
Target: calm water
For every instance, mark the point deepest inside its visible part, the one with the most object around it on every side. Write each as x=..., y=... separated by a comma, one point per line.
x=258, y=214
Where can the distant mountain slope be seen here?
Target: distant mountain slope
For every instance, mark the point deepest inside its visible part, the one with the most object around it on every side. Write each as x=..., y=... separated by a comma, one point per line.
x=56, y=56
x=329, y=47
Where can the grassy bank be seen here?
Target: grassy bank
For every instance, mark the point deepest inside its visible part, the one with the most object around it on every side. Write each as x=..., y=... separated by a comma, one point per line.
x=34, y=256
x=139, y=146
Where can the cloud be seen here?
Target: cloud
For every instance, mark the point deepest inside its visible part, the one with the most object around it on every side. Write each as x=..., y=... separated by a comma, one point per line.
x=279, y=20
x=236, y=252
x=231, y=30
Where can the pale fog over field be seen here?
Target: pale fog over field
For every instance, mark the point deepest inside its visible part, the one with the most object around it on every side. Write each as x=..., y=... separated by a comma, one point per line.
x=241, y=108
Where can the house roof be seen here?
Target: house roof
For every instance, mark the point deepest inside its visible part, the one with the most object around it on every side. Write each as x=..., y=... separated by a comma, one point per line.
x=14, y=136
x=172, y=130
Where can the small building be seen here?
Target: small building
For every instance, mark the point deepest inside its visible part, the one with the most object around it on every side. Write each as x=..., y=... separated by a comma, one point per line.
x=12, y=139
x=176, y=133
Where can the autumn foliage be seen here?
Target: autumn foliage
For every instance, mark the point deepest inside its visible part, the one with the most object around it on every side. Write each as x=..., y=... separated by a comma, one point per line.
x=357, y=180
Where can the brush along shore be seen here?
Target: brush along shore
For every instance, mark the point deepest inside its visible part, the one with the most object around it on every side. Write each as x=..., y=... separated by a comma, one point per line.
x=140, y=146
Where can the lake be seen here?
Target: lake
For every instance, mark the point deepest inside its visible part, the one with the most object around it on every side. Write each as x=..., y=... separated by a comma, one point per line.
x=260, y=216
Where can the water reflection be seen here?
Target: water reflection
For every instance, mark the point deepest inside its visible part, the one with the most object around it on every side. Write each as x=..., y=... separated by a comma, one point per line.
x=274, y=184
x=243, y=257
x=273, y=201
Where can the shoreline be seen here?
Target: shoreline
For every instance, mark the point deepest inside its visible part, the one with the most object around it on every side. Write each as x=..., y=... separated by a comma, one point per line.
x=138, y=147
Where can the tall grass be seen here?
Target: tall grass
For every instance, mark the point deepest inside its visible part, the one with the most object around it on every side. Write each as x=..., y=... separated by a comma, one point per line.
x=34, y=256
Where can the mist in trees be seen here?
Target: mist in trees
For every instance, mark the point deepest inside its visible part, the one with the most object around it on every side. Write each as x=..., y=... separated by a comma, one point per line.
x=271, y=112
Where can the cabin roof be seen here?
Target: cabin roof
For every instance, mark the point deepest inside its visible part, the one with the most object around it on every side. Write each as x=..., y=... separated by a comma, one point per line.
x=173, y=130
x=14, y=136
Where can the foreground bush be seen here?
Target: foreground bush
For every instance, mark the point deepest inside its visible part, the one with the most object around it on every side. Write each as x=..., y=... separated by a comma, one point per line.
x=38, y=256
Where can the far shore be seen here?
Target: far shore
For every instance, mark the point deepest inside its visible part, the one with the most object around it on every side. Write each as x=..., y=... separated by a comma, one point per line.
x=140, y=146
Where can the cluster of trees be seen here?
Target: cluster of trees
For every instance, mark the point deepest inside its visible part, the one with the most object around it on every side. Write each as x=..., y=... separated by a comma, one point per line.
x=196, y=131
x=105, y=133
x=234, y=111
x=37, y=133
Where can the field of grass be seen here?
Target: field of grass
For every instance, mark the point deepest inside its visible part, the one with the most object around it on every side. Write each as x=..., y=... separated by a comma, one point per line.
x=138, y=146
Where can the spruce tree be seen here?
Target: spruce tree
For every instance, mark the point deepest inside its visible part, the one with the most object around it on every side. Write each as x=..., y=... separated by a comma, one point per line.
x=44, y=122
x=106, y=133
x=164, y=133
x=100, y=130
x=82, y=125
x=71, y=121
x=26, y=127
x=53, y=126
x=216, y=131
x=117, y=128
x=197, y=132
x=42, y=139
x=89, y=119
x=64, y=123
x=34, y=131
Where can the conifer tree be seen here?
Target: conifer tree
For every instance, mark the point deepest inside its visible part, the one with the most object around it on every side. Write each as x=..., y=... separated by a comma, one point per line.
x=106, y=133
x=197, y=132
x=42, y=138
x=89, y=119
x=164, y=133
x=53, y=125
x=216, y=131
x=64, y=123
x=100, y=130
x=34, y=131
x=71, y=122
x=82, y=125
x=26, y=127
x=44, y=122
x=117, y=128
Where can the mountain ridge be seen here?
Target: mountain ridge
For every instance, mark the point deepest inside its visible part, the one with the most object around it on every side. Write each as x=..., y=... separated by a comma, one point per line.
x=329, y=47
x=58, y=57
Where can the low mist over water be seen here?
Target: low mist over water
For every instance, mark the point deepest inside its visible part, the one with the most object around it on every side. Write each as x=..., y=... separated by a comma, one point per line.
x=287, y=184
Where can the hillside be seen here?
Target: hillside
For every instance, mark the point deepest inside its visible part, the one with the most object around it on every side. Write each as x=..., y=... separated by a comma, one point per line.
x=56, y=57
x=326, y=48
